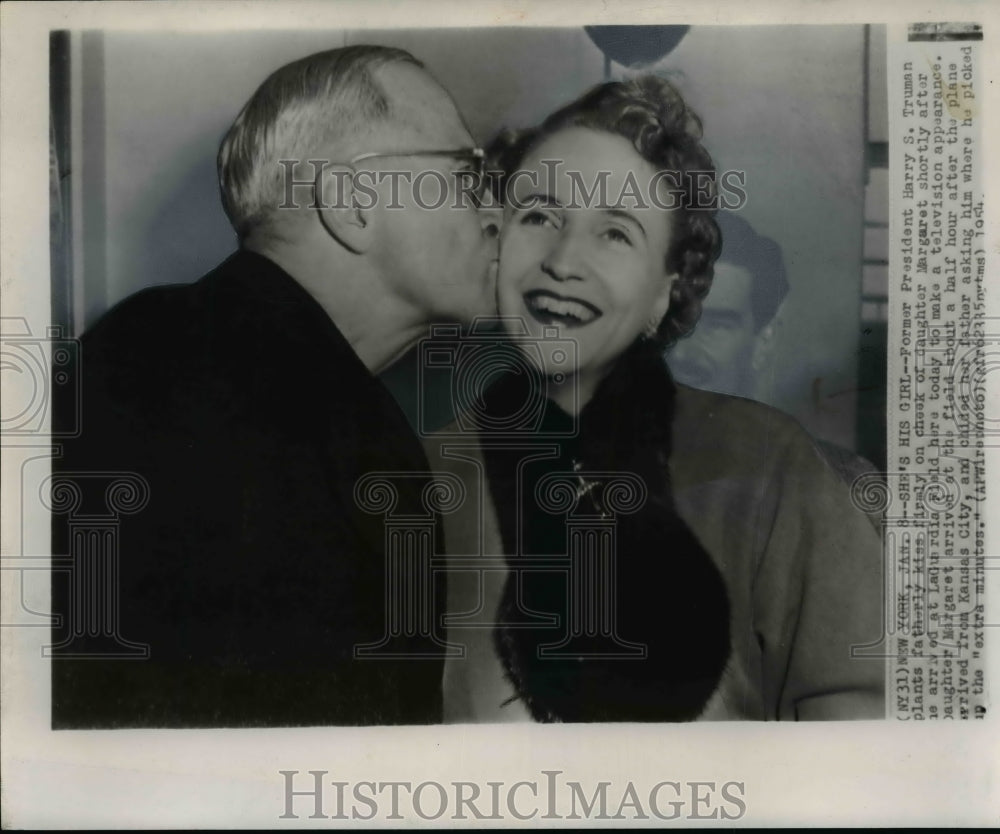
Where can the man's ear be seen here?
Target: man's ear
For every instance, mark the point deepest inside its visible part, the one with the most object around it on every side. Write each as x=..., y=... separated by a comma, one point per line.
x=765, y=344
x=491, y=219
x=345, y=212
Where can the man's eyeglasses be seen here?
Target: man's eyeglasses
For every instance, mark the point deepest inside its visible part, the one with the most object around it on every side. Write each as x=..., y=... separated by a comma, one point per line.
x=475, y=158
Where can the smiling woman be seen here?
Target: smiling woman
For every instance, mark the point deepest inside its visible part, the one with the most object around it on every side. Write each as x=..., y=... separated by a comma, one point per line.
x=637, y=132
x=667, y=554
x=599, y=272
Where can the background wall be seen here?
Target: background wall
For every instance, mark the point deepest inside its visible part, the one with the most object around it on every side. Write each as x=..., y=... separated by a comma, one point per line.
x=785, y=104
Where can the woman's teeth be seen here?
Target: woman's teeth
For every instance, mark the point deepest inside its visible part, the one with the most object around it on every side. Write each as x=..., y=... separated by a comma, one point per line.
x=561, y=308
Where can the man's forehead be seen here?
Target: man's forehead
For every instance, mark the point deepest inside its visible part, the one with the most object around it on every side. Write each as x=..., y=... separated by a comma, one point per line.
x=421, y=107
x=732, y=288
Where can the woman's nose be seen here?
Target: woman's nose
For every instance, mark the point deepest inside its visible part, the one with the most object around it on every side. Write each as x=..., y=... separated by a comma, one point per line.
x=564, y=261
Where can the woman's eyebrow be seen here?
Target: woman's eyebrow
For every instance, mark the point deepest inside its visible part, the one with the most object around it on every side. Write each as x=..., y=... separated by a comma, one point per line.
x=622, y=214
x=536, y=199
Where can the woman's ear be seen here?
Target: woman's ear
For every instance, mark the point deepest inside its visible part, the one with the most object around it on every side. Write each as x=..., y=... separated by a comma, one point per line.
x=661, y=304
x=658, y=309
x=345, y=213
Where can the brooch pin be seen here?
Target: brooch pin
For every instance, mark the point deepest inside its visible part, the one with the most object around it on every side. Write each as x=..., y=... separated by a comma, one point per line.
x=588, y=489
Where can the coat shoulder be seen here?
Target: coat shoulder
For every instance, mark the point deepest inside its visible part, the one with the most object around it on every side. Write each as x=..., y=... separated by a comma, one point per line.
x=733, y=435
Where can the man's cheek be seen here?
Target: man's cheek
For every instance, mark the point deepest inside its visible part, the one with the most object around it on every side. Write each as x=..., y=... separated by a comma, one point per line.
x=735, y=347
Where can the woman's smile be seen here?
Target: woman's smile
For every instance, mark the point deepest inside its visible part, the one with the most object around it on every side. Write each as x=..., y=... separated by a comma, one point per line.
x=550, y=308
x=597, y=272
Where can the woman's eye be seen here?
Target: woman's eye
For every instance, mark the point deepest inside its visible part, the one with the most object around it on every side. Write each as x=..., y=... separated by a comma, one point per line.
x=535, y=218
x=618, y=236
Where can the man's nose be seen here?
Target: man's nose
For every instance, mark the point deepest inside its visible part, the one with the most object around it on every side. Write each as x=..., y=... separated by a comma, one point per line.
x=564, y=261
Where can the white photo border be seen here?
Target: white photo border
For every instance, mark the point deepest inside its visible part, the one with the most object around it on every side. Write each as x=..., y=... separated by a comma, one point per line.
x=863, y=773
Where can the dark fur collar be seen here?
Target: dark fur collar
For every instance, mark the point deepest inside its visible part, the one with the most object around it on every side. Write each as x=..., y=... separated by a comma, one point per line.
x=670, y=597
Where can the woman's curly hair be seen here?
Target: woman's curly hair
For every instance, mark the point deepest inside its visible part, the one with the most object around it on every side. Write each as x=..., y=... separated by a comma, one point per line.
x=652, y=115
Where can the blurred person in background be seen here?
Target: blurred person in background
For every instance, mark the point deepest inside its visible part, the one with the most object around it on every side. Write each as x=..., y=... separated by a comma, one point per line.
x=729, y=348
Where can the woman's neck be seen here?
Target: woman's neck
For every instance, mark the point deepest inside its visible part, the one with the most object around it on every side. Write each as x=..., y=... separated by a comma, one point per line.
x=574, y=391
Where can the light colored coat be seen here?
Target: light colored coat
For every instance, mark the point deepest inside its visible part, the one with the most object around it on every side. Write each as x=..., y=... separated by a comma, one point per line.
x=802, y=566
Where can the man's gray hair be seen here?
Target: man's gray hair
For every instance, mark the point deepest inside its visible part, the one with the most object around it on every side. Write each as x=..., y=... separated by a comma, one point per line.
x=298, y=111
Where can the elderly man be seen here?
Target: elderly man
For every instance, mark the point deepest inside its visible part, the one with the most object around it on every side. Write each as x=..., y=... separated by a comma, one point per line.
x=248, y=407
